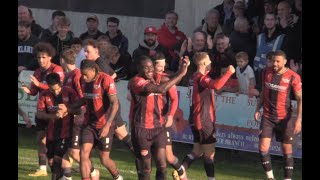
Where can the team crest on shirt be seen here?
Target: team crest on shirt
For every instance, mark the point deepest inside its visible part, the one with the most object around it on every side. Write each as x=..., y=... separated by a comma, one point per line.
x=69, y=80
x=96, y=86
x=65, y=99
x=112, y=86
x=285, y=80
x=207, y=80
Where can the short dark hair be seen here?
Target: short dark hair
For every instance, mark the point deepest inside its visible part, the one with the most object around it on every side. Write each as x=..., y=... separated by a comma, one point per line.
x=280, y=53
x=141, y=59
x=270, y=55
x=113, y=19
x=24, y=24
x=69, y=56
x=44, y=47
x=57, y=13
x=86, y=63
x=53, y=78
x=172, y=12
x=90, y=42
x=75, y=40
x=158, y=56
x=242, y=55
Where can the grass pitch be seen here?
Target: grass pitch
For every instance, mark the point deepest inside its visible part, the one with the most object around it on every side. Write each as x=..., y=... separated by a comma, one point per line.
x=229, y=164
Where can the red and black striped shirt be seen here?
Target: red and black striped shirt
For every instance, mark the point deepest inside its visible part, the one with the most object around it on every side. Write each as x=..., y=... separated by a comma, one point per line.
x=58, y=128
x=72, y=80
x=41, y=77
x=164, y=98
x=97, y=95
x=145, y=109
x=203, y=107
x=277, y=89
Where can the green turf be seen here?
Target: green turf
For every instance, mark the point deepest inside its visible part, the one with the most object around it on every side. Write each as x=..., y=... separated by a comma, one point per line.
x=229, y=164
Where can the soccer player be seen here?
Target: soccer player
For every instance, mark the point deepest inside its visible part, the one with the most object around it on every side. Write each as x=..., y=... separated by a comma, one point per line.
x=72, y=80
x=100, y=97
x=44, y=53
x=278, y=82
x=168, y=112
x=202, y=119
x=92, y=53
x=59, y=123
x=146, y=116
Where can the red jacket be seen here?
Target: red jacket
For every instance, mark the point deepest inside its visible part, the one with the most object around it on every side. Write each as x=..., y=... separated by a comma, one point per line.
x=169, y=40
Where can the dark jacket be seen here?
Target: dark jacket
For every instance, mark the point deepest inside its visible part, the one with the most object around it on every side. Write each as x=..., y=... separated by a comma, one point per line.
x=121, y=41
x=60, y=45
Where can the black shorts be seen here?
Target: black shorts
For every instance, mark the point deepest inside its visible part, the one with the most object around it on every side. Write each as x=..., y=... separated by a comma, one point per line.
x=144, y=138
x=118, y=120
x=204, y=135
x=168, y=135
x=75, y=141
x=90, y=135
x=283, y=130
x=57, y=147
x=41, y=125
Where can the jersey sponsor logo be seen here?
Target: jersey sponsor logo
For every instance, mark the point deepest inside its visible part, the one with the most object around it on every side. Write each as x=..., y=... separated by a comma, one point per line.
x=275, y=87
x=96, y=86
x=178, y=37
x=285, y=80
x=65, y=99
x=90, y=95
x=207, y=80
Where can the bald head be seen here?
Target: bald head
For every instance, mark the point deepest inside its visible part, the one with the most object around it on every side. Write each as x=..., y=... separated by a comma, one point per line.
x=284, y=9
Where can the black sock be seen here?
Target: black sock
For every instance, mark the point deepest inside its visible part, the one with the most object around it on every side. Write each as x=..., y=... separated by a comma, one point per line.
x=266, y=161
x=288, y=165
x=209, y=166
x=128, y=142
x=187, y=161
x=177, y=166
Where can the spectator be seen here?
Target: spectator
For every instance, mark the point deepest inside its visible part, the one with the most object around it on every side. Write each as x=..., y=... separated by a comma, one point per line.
x=25, y=14
x=92, y=53
x=26, y=42
x=271, y=39
x=76, y=45
x=104, y=44
x=117, y=38
x=238, y=11
x=121, y=63
x=169, y=36
x=245, y=75
x=150, y=46
x=291, y=26
x=93, y=31
x=242, y=40
x=53, y=28
x=211, y=25
x=269, y=7
x=222, y=57
x=62, y=38
x=225, y=10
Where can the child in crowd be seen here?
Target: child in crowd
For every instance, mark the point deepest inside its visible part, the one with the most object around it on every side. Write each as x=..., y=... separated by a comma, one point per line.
x=245, y=75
